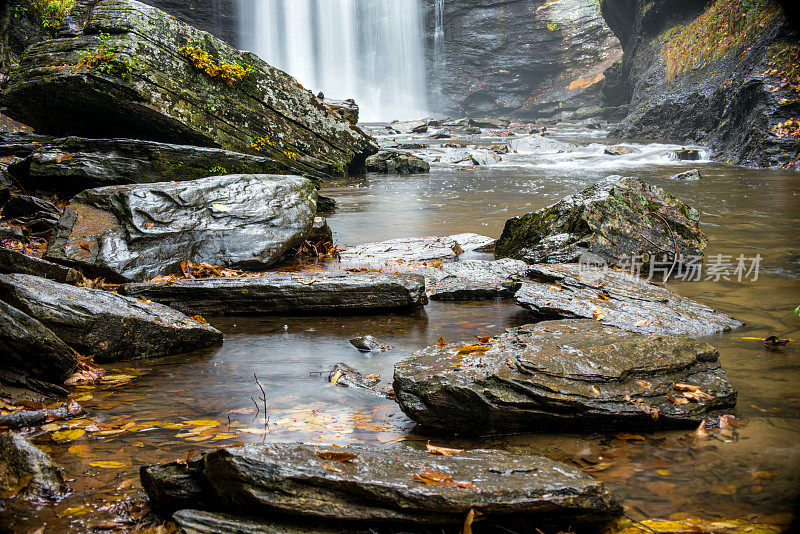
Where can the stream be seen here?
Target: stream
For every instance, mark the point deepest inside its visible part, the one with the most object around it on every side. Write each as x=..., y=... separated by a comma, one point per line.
x=162, y=410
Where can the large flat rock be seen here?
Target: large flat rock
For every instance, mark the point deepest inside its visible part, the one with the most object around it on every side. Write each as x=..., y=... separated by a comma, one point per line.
x=416, y=249
x=575, y=375
x=616, y=298
x=30, y=348
x=136, y=232
x=280, y=293
x=111, y=327
x=475, y=279
x=73, y=164
x=151, y=89
x=613, y=220
x=378, y=487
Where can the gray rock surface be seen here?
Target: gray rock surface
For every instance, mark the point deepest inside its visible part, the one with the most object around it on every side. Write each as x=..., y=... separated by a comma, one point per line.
x=151, y=89
x=619, y=299
x=27, y=471
x=73, y=164
x=614, y=219
x=344, y=376
x=538, y=144
x=377, y=487
x=692, y=175
x=111, y=327
x=136, y=232
x=396, y=162
x=572, y=374
x=416, y=249
x=29, y=348
x=13, y=261
x=330, y=292
x=475, y=279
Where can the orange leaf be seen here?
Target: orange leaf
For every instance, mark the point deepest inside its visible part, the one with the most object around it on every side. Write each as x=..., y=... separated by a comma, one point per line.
x=442, y=451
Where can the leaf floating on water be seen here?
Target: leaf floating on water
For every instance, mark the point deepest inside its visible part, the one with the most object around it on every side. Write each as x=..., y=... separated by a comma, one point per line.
x=774, y=341
x=467, y=349
x=108, y=464
x=442, y=451
x=337, y=456
x=484, y=340
x=441, y=342
x=335, y=378
x=203, y=422
x=117, y=378
x=625, y=436
x=701, y=432
x=241, y=411
x=68, y=435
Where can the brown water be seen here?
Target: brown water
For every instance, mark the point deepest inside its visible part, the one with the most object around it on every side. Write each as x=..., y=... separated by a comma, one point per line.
x=167, y=407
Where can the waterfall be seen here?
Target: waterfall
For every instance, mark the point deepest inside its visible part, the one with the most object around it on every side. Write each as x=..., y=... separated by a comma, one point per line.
x=370, y=50
x=439, y=58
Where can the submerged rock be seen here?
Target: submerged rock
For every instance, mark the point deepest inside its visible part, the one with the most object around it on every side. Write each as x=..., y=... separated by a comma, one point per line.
x=344, y=376
x=475, y=279
x=111, y=327
x=163, y=82
x=378, y=487
x=396, y=162
x=27, y=471
x=31, y=349
x=73, y=164
x=571, y=374
x=619, y=150
x=618, y=299
x=416, y=249
x=694, y=174
x=279, y=293
x=369, y=344
x=136, y=232
x=615, y=219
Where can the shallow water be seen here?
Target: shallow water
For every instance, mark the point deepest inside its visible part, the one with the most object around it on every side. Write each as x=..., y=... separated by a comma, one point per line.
x=204, y=400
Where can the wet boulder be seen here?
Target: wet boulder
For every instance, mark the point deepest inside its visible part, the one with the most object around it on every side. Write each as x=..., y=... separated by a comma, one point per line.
x=130, y=70
x=407, y=127
x=286, y=293
x=380, y=486
x=38, y=215
x=691, y=175
x=618, y=299
x=344, y=376
x=475, y=279
x=27, y=471
x=539, y=144
x=484, y=157
x=686, y=154
x=14, y=261
x=620, y=150
x=574, y=375
x=136, y=232
x=347, y=109
x=30, y=349
x=369, y=344
x=416, y=249
x=111, y=327
x=73, y=164
x=615, y=220
x=396, y=162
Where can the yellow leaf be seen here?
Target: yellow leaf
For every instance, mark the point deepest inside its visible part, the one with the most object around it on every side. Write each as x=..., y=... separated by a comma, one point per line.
x=221, y=208
x=107, y=464
x=335, y=378
x=68, y=435
x=466, y=349
x=203, y=422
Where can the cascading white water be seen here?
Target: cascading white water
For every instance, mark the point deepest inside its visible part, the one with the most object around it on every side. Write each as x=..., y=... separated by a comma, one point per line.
x=370, y=50
x=439, y=60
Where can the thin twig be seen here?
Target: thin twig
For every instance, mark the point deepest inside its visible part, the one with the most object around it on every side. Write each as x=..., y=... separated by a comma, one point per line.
x=639, y=523
x=674, y=246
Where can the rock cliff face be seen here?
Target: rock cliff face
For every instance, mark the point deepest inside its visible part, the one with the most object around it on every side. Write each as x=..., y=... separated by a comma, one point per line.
x=520, y=58
x=721, y=73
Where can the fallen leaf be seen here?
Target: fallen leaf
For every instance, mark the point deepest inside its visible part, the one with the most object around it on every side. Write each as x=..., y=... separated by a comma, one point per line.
x=644, y=384
x=629, y=437
x=701, y=432
x=466, y=349
x=68, y=435
x=203, y=422
x=442, y=451
x=441, y=342
x=108, y=464
x=337, y=456
x=471, y=515
x=483, y=340
x=431, y=476
x=335, y=378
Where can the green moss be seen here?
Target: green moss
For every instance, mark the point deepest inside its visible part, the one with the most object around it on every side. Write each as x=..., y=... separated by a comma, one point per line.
x=726, y=25
x=48, y=13
x=784, y=57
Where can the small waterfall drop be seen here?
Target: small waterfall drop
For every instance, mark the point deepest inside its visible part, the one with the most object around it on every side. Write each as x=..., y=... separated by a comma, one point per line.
x=370, y=50
x=439, y=59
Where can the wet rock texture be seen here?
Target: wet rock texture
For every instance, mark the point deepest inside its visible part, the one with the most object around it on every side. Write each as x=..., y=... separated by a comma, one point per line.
x=527, y=59
x=111, y=327
x=731, y=104
x=30, y=348
x=475, y=279
x=377, y=487
x=613, y=220
x=617, y=299
x=74, y=164
x=139, y=231
x=166, y=98
x=416, y=249
x=275, y=293
x=570, y=374
x=26, y=471
x=13, y=261
x=396, y=162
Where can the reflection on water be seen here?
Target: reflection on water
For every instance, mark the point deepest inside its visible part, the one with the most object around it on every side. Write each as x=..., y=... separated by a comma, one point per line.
x=204, y=400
